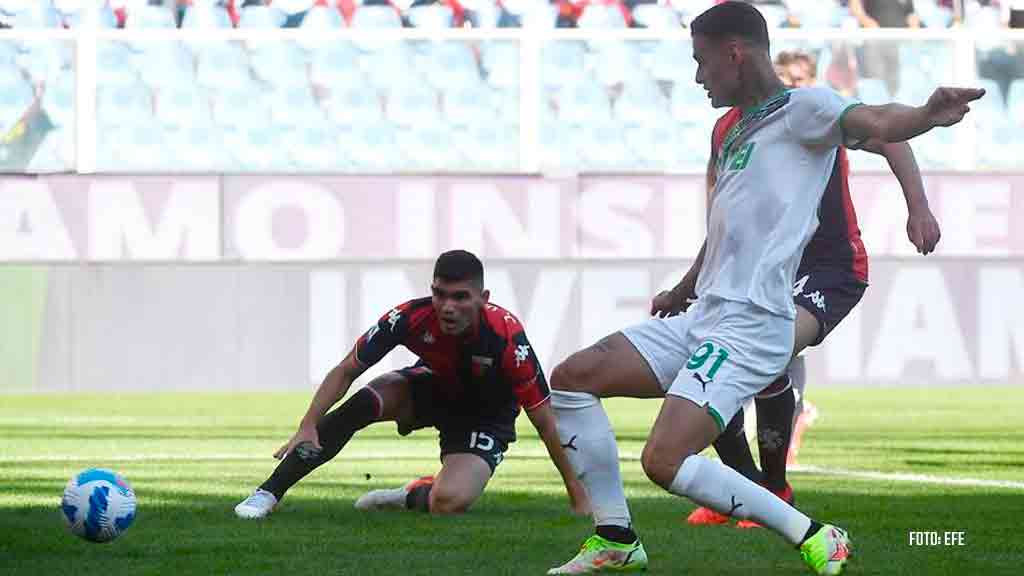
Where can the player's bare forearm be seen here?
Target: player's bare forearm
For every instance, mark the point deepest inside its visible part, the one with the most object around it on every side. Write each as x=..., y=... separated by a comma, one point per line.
x=898, y=123
x=543, y=419
x=333, y=388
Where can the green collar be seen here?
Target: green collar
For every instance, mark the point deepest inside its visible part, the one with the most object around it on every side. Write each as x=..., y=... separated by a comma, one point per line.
x=757, y=107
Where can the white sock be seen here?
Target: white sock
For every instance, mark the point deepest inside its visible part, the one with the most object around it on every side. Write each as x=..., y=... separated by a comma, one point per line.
x=709, y=483
x=583, y=425
x=798, y=379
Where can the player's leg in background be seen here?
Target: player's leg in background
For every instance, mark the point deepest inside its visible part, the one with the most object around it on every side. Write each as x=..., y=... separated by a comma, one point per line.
x=385, y=398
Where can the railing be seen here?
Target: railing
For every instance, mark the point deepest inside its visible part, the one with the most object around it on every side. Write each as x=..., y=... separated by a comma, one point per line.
x=453, y=101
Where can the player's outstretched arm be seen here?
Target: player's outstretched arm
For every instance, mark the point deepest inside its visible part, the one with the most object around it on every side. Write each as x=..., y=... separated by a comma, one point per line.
x=333, y=388
x=897, y=123
x=923, y=229
x=544, y=420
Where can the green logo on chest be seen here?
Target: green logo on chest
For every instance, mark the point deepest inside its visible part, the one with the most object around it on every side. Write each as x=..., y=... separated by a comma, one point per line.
x=741, y=157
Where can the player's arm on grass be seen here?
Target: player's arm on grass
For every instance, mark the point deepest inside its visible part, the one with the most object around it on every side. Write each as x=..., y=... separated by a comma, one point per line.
x=923, y=229
x=898, y=123
x=543, y=419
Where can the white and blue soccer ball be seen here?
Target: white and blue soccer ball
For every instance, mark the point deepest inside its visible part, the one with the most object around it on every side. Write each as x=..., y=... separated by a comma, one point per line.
x=98, y=505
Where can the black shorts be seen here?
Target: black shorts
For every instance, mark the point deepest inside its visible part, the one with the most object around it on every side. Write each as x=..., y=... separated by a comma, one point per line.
x=829, y=294
x=485, y=437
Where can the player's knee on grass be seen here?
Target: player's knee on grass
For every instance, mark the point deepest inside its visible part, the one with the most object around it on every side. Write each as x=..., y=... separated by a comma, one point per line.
x=445, y=500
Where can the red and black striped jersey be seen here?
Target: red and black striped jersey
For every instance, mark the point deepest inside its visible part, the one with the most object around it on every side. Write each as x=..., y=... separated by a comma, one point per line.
x=837, y=242
x=492, y=371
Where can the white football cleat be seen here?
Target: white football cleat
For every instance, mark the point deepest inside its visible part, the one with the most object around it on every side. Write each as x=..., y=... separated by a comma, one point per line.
x=391, y=498
x=259, y=505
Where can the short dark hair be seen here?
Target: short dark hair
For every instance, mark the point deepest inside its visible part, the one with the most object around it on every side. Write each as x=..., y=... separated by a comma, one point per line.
x=459, y=266
x=732, y=19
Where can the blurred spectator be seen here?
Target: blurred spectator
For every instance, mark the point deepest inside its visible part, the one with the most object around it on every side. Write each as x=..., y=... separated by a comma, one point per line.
x=1001, y=61
x=796, y=68
x=1013, y=13
x=882, y=57
x=842, y=72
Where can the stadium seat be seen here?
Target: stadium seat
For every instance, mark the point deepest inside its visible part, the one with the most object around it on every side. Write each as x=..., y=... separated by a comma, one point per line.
x=1015, y=102
x=256, y=146
x=295, y=106
x=376, y=16
x=873, y=91
x=261, y=17
x=932, y=15
x=428, y=148
x=357, y=103
x=482, y=13
x=452, y=64
x=91, y=15
x=372, y=147
x=129, y=105
x=689, y=102
x=320, y=17
x=146, y=16
x=182, y=106
x=314, y=147
x=293, y=9
x=205, y=15
x=45, y=60
x=535, y=14
x=240, y=107
x=115, y=64
x=167, y=63
x=335, y=64
x=124, y=147
x=672, y=61
x=280, y=63
x=56, y=152
x=993, y=93
x=601, y=16
x=654, y=145
x=430, y=17
x=491, y=146
x=641, y=103
x=15, y=97
x=604, y=148
x=413, y=103
x=222, y=65
x=37, y=14
x=500, y=60
x=388, y=65
x=59, y=100
x=562, y=62
x=656, y=16
x=198, y=147
x=470, y=105
x=616, y=62
x=583, y=103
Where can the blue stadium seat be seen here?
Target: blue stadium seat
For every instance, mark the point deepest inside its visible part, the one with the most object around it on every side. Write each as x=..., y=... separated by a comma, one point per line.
x=452, y=64
x=295, y=106
x=616, y=61
x=167, y=63
x=37, y=15
x=500, y=60
x=321, y=17
x=430, y=17
x=993, y=94
x=873, y=91
x=335, y=64
x=373, y=147
x=492, y=146
x=654, y=146
x=261, y=17
x=656, y=16
x=562, y=62
x=280, y=63
x=371, y=17
x=413, y=103
x=427, y=148
x=356, y=103
x=15, y=97
x=256, y=146
x=470, y=105
x=91, y=16
x=240, y=107
x=583, y=103
x=605, y=147
x=222, y=65
x=388, y=65
x=688, y=102
x=145, y=16
x=641, y=103
x=601, y=16
x=197, y=147
x=115, y=64
x=1015, y=102
x=206, y=15
x=539, y=14
x=314, y=147
x=124, y=104
x=59, y=100
x=46, y=60
x=673, y=62
x=182, y=106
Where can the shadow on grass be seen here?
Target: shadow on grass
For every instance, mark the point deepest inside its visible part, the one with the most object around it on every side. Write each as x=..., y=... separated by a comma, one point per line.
x=316, y=531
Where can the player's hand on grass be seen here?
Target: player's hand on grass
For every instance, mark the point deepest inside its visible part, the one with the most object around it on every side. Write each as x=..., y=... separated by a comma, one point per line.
x=668, y=303
x=923, y=230
x=947, y=106
x=306, y=441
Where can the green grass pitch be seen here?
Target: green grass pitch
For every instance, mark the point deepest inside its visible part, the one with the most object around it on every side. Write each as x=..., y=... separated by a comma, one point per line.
x=192, y=457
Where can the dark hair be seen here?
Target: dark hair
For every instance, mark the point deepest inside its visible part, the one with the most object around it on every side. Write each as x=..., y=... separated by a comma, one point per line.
x=732, y=19
x=459, y=266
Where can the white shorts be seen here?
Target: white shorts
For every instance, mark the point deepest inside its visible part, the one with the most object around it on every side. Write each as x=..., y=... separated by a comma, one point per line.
x=719, y=354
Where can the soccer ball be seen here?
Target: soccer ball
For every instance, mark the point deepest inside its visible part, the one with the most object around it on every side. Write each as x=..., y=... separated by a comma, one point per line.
x=98, y=505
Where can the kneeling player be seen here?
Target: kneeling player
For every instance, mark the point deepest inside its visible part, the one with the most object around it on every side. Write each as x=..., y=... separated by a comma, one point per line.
x=476, y=370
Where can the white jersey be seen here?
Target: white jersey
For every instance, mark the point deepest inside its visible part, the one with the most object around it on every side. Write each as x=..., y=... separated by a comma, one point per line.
x=772, y=169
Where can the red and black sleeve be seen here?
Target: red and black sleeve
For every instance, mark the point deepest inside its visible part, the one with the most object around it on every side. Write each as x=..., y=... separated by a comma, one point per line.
x=390, y=331
x=523, y=371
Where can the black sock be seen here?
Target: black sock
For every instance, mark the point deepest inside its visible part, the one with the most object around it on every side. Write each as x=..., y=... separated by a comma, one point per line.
x=815, y=526
x=419, y=498
x=734, y=450
x=774, y=429
x=616, y=533
x=335, y=430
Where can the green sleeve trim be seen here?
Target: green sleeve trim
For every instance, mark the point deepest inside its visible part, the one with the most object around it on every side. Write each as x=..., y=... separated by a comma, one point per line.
x=842, y=117
x=718, y=418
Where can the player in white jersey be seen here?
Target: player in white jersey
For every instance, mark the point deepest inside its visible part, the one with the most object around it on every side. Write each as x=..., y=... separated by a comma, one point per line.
x=738, y=337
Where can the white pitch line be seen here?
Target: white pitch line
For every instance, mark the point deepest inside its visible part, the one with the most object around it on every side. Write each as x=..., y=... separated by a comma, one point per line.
x=366, y=457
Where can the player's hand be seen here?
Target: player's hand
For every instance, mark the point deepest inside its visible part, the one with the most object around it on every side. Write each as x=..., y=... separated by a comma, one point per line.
x=668, y=303
x=923, y=230
x=579, y=502
x=947, y=106
x=306, y=441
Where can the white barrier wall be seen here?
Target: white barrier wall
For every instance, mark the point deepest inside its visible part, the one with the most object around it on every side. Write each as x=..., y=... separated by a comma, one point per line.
x=263, y=283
